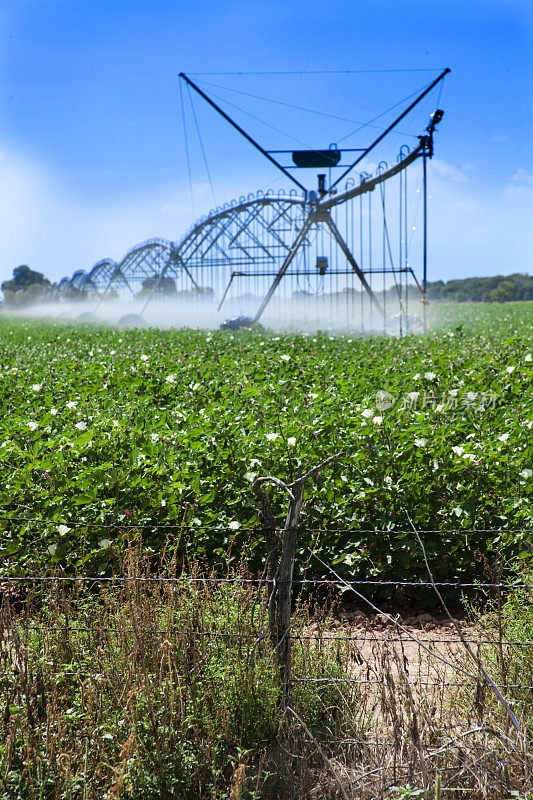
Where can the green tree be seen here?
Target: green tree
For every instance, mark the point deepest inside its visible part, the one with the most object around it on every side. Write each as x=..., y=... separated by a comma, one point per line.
x=162, y=285
x=503, y=293
x=25, y=287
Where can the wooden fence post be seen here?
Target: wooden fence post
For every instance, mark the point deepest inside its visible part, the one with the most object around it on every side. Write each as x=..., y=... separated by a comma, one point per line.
x=283, y=596
x=280, y=563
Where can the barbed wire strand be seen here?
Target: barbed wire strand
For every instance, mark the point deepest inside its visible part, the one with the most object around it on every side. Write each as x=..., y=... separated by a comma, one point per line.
x=252, y=581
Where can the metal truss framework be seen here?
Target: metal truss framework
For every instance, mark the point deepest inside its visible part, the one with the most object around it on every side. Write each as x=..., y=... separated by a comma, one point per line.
x=319, y=253
x=262, y=254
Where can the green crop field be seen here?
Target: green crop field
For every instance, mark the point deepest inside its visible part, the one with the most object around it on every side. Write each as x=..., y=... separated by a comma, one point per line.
x=131, y=456
x=104, y=428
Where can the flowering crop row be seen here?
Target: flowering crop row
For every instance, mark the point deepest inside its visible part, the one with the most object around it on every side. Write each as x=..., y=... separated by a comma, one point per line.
x=148, y=427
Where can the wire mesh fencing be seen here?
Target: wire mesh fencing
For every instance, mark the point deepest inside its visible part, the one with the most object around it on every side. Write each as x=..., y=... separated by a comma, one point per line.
x=375, y=697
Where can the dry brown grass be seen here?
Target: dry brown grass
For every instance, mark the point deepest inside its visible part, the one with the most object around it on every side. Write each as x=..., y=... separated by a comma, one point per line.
x=151, y=689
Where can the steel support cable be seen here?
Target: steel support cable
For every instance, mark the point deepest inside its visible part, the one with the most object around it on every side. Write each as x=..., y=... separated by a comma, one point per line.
x=186, y=137
x=201, y=145
x=324, y=114
x=321, y=71
x=386, y=241
x=391, y=108
x=392, y=126
x=243, y=133
x=253, y=116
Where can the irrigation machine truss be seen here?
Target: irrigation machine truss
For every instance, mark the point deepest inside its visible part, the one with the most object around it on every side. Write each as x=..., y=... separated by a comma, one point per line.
x=348, y=255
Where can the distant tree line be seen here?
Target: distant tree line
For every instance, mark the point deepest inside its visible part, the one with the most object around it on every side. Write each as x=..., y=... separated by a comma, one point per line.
x=27, y=287
x=497, y=289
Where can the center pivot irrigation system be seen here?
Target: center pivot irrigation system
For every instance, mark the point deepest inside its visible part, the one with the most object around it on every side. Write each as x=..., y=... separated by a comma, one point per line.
x=351, y=253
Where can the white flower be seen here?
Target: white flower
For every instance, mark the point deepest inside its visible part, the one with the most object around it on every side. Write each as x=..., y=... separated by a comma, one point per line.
x=469, y=456
x=33, y=425
x=438, y=408
x=63, y=529
x=421, y=442
x=81, y=426
x=429, y=376
x=52, y=549
x=36, y=387
x=367, y=413
x=528, y=358
x=144, y=357
x=416, y=377
x=285, y=357
x=234, y=525
x=53, y=411
x=254, y=462
x=250, y=476
x=503, y=437
x=510, y=370
x=105, y=544
x=457, y=511
x=272, y=436
x=377, y=420
x=195, y=386
x=291, y=441
x=387, y=480
x=163, y=503
x=313, y=395
x=471, y=395
x=72, y=404
x=526, y=473
x=170, y=379
x=458, y=450
x=154, y=437
x=453, y=392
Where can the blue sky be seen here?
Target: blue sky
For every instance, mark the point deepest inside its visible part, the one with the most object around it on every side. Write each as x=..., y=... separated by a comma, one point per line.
x=92, y=154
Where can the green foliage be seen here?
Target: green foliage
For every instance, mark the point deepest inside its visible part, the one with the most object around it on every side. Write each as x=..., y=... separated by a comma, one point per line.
x=496, y=289
x=149, y=692
x=107, y=431
x=510, y=661
x=155, y=283
x=26, y=287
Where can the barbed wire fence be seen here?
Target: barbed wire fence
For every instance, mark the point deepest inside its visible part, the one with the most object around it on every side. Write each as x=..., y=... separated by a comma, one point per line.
x=434, y=703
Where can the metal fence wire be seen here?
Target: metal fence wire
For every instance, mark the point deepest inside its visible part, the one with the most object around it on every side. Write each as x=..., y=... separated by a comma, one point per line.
x=427, y=693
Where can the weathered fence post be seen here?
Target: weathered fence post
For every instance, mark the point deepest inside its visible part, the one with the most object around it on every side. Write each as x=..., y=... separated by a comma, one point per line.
x=280, y=563
x=286, y=568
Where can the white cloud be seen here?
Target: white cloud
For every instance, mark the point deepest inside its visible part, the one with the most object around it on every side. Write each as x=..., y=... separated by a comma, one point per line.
x=44, y=224
x=522, y=177
x=520, y=186
x=449, y=172
x=474, y=228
